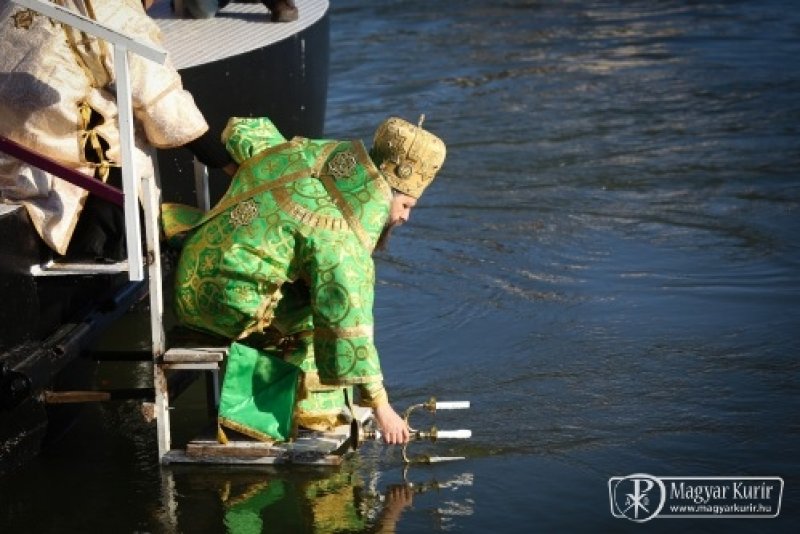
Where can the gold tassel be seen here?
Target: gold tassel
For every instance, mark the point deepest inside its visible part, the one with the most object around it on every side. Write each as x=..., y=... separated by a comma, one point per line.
x=221, y=437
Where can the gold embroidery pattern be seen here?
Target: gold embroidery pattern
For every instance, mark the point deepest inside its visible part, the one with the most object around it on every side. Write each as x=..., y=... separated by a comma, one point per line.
x=342, y=165
x=330, y=334
x=347, y=211
x=23, y=20
x=91, y=54
x=244, y=213
x=305, y=215
x=378, y=179
x=246, y=430
x=395, y=146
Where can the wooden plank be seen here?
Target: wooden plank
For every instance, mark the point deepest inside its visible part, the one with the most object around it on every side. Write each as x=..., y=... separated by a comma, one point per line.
x=66, y=268
x=179, y=456
x=239, y=449
x=317, y=442
x=68, y=397
x=193, y=366
x=310, y=448
x=195, y=354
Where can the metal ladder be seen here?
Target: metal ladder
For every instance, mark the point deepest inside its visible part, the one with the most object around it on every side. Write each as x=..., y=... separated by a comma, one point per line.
x=202, y=359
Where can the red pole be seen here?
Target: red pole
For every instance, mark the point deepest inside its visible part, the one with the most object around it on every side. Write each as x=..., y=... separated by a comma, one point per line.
x=96, y=187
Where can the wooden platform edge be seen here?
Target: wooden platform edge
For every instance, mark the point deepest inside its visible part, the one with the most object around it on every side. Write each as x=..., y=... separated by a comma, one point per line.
x=329, y=448
x=179, y=456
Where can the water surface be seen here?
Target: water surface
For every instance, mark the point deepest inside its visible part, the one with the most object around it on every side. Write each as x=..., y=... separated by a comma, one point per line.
x=607, y=268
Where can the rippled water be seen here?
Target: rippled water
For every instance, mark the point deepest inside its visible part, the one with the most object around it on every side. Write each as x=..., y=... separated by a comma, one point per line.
x=607, y=268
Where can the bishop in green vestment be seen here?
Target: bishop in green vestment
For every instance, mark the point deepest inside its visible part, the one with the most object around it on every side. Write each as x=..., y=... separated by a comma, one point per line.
x=286, y=257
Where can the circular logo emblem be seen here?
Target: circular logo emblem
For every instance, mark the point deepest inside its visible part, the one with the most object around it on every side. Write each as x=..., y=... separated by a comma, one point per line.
x=637, y=497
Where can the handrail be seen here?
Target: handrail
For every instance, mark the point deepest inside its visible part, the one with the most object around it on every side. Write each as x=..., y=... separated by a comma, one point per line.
x=96, y=187
x=121, y=44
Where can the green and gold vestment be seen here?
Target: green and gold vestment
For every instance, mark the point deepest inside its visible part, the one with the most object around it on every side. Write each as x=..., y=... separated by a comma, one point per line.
x=288, y=252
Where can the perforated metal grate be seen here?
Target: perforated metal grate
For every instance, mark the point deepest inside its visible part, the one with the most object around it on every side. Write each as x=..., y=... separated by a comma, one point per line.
x=238, y=28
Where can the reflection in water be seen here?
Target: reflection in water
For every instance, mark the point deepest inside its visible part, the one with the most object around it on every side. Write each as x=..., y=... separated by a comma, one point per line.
x=348, y=499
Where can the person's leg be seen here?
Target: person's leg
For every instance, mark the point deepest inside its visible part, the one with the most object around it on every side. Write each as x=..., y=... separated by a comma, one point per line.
x=282, y=10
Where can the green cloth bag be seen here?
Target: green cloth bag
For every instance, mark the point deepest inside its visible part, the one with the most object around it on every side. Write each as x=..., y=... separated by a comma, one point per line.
x=258, y=395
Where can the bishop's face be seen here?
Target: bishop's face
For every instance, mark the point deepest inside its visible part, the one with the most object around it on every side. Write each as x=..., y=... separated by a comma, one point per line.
x=399, y=213
x=400, y=210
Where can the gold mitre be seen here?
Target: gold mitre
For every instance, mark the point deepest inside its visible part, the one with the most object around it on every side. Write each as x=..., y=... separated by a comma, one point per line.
x=408, y=156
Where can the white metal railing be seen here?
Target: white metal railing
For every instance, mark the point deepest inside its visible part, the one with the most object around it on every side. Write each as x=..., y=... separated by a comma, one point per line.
x=122, y=44
x=150, y=195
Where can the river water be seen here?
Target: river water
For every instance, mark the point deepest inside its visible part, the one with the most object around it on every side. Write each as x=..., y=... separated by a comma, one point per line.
x=607, y=268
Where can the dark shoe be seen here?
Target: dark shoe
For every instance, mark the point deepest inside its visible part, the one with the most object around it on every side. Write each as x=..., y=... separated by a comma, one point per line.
x=282, y=10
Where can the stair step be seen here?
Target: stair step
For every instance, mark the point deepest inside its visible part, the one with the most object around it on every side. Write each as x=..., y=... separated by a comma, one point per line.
x=309, y=447
x=71, y=397
x=198, y=358
x=67, y=268
x=195, y=354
